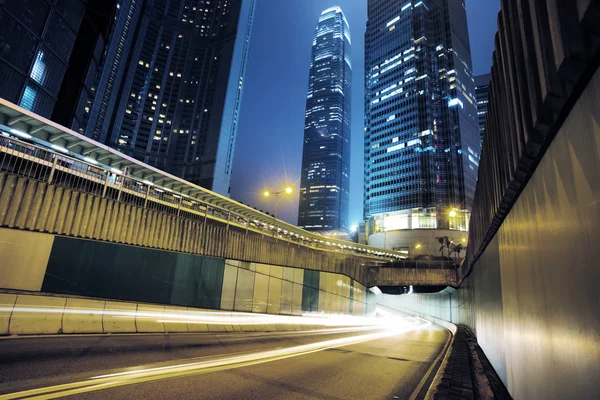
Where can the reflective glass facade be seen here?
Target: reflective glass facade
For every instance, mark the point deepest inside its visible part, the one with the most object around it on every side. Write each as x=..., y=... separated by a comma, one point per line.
x=421, y=134
x=482, y=93
x=37, y=38
x=324, y=188
x=170, y=85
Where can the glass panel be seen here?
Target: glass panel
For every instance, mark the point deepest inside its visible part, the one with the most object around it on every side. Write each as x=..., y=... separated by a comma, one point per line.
x=17, y=45
x=11, y=83
x=72, y=11
x=31, y=13
x=59, y=37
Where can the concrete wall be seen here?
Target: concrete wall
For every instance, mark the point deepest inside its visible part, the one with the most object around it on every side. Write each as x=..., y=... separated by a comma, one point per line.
x=62, y=265
x=532, y=297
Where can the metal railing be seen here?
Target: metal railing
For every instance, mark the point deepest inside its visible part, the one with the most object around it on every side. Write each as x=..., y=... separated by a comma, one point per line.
x=54, y=167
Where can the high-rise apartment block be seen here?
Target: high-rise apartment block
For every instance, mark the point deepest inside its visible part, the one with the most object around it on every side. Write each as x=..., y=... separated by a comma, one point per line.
x=324, y=190
x=169, y=87
x=482, y=94
x=421, y=136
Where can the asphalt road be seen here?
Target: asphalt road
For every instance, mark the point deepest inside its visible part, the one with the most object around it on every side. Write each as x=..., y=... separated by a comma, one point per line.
x=365, y=363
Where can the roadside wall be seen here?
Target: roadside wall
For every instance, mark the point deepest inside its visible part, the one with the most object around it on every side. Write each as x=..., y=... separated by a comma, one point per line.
x=532, y=297
x=55, y=264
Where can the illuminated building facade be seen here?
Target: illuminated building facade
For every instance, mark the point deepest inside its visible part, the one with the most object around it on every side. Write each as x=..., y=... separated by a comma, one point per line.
x=169, y=89
x=324, y=188
x=482, y=92
x=421, y=134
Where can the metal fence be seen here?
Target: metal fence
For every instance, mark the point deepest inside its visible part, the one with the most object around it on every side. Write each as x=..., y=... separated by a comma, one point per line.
x=53, y=167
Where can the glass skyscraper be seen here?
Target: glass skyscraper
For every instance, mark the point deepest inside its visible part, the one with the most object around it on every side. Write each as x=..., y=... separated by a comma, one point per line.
x=43, y=41
x=421, y=134
x=169, y=87
x=324, y=188
x=482, y=93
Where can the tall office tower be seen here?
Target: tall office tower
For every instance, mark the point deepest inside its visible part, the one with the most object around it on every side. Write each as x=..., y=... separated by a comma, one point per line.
x=43, y=41
x=324, y=188
x=482, y=94
x=421, y=136
x=169, y=87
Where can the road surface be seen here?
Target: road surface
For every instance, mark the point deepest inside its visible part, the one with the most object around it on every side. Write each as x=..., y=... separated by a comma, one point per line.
x=342, y=363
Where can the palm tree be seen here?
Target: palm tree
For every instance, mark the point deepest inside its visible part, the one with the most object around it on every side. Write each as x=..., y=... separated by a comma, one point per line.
x=448, y=243
x=442, y=243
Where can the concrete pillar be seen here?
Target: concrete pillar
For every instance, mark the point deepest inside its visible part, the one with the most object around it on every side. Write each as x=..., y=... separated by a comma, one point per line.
x=87, y=215
x=25, y=207
x=52, y=201
x=63, y=207
x=71, y=211
x=5, y=198
x=33, y=215
x=105, y=222
x=94, y=217
x=79, y=214
x=112, y=232
x=15, y=202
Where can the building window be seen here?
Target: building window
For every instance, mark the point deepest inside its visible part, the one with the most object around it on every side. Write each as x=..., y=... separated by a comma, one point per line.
x=28, y=99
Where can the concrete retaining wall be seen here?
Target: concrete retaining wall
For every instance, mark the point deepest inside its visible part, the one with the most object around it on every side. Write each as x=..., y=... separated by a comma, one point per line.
x=62, y=265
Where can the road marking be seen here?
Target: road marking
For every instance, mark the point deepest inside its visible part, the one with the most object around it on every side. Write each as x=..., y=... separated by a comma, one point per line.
x=446, y=348
x=152, y=374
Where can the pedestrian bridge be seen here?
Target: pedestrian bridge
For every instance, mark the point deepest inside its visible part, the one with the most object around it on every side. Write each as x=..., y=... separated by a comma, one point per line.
x=55, y=181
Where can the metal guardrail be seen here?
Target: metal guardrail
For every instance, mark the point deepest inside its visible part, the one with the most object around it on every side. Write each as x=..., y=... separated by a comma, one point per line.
x=55, y=167
x=422, y=264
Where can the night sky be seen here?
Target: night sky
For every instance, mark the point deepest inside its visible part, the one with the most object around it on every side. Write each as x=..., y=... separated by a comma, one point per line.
x=269, y=143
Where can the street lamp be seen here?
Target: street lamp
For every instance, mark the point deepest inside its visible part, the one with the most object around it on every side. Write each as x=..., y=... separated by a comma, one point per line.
x=287, y=190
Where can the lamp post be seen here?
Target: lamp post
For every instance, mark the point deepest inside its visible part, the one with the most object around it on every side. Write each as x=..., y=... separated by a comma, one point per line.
x=287, y=190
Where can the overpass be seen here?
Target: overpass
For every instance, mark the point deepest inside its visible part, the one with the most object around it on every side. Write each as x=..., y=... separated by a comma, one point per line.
x=64, y=195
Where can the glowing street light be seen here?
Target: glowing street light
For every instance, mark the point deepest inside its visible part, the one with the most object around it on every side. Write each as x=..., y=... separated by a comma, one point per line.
x=287, y=190
x=453, y=213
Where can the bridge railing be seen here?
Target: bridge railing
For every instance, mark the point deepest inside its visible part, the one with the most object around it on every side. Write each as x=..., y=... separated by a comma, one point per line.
x=54, y=167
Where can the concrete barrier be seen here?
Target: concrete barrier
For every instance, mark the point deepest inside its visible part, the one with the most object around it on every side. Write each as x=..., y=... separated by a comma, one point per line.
x=177, y=320
x=34, y=315
x=7, y=303
x=29, y=314
x=83, y=316
x=119, y=317
x=148, y=318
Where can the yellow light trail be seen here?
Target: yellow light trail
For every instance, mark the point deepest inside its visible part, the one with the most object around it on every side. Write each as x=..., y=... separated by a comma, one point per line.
x=118, y=379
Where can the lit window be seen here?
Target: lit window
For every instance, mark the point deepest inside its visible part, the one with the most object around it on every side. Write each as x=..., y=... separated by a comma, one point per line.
x=28, y=99
x=39, y=70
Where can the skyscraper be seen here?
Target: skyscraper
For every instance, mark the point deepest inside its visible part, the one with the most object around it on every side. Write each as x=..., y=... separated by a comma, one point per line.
x=169, y=89
x=421, y=136
x=324, y=187
x=43, y=41
x=482, y=93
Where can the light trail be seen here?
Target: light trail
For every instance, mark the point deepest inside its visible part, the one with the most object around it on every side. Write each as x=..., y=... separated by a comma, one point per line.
x=213, y=317
x=394, y=327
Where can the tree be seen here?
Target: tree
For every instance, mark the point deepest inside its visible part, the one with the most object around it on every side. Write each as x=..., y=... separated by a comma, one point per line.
x=441, y=242
x=448, y=243
x=444, y=242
